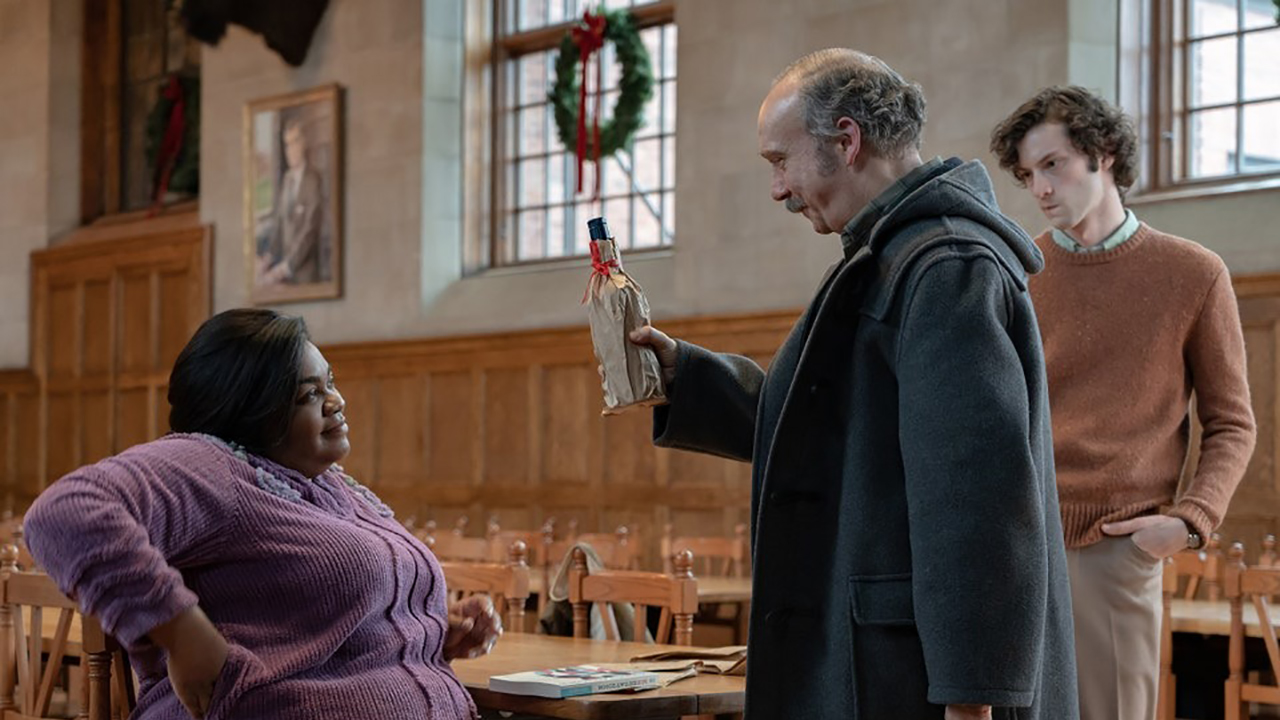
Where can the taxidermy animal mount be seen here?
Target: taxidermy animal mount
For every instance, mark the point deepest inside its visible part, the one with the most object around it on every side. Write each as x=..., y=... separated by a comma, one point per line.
x=286, y=25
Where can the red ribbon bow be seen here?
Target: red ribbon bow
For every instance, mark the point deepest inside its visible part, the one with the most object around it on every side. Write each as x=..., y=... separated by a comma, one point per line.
x=598, y=268
x=171, y=144
x=589, y=38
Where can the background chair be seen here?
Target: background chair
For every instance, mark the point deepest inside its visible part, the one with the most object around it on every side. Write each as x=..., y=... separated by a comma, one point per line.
x=1186, y=574
x=676, y=594
x=1254, y=585
x=714, y=557
x=617, y=550
x=34, y=652
x=507, y=583
x=455, y=545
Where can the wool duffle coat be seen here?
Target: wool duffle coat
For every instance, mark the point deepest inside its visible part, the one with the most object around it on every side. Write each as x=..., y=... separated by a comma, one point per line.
x=906, y=543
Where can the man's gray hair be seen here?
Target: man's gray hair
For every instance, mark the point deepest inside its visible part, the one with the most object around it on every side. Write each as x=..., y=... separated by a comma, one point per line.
x=838, y=82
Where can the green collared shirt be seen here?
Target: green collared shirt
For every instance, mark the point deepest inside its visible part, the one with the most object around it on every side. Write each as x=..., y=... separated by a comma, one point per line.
x=859, y=228
x=1113, y=241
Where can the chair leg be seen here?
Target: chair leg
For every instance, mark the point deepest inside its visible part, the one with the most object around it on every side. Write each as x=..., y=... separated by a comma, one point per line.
x=99, y=685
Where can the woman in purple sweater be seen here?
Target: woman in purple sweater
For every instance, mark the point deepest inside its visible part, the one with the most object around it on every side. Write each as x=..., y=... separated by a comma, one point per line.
x=249, y=576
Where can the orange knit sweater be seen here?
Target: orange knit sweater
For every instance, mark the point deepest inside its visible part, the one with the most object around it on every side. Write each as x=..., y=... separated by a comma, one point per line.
x=1128, y=334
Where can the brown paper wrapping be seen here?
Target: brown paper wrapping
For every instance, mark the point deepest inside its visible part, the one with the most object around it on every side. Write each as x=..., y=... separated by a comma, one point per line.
x=616, y=306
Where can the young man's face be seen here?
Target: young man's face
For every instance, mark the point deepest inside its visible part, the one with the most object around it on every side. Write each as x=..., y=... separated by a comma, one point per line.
x=1059, y=176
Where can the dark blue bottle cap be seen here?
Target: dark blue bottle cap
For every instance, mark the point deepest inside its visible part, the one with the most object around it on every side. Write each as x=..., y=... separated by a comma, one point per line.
x=598, y=228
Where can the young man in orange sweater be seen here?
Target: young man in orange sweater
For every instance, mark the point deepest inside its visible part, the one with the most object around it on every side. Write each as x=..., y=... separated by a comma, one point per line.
x=1133, y=321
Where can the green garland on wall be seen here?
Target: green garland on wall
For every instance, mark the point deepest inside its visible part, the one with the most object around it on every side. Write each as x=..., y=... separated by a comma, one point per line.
x=636, y=86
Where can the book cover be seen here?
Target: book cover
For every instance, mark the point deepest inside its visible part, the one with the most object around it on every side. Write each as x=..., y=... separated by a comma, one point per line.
x=574, y=680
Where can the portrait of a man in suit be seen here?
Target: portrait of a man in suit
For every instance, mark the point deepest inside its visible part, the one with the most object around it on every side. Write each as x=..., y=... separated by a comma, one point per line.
x=293, y=166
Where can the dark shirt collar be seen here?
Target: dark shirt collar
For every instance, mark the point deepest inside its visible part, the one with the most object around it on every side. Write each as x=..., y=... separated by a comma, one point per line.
x=858, y=231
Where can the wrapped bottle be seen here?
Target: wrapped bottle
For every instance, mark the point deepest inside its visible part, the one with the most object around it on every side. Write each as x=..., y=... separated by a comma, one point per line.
x=615, y=306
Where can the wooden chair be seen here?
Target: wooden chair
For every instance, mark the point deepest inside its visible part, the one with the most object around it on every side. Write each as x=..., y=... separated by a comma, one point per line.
x=31, y=662
x=714, y=557
x=1186, y=573
x=507, y=583
x=11, y=534
x=617, y=550
x=1253, y=584
x=500, y=542
x=676, y=594
x=455, y=545
x=1268, y=557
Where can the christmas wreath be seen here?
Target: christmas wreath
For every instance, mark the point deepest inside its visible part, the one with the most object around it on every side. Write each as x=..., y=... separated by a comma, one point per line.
x=173, y=137
x=635, y=86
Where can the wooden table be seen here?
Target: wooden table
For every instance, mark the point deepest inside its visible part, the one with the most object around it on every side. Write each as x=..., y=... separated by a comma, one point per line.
x=724, y=590
x=518, y=652
x=710, y=589
x=1212, y=617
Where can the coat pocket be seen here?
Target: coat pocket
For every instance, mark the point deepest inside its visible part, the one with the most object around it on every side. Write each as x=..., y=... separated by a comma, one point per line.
x=889, y=677
x=882, y=600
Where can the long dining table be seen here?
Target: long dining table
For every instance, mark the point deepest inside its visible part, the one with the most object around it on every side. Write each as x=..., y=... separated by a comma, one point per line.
x=1212, y=617
x=710, y=589
x=706, y=694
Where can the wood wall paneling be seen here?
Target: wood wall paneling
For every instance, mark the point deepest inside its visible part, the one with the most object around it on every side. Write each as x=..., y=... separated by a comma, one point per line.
x=19, y=415
x=1255, y=508
x=504, y=425
x=512, y=428
x=509, y=425
x=110, y=311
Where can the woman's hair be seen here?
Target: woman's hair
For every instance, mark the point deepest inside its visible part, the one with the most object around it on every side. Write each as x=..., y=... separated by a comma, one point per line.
x=237, y=377
x=1096, y=128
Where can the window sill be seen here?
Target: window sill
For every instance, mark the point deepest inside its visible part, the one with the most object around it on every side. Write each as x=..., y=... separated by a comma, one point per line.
x=576, y=262
x=1190, y=191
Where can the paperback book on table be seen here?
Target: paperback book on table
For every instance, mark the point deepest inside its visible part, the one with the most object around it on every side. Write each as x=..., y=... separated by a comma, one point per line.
x=575, y=680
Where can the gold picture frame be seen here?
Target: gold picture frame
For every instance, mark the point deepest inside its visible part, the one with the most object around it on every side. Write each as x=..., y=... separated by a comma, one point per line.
x=293, y=196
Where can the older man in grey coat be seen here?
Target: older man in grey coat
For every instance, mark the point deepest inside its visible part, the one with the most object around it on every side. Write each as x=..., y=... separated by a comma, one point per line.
x=908, y=555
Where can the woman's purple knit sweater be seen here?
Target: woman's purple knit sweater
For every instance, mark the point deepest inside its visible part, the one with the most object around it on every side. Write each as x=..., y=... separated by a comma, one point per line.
x=331, y=609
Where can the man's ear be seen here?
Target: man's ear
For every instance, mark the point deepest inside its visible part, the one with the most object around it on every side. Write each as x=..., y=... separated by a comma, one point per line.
x=1106, y=161
x=850, y=140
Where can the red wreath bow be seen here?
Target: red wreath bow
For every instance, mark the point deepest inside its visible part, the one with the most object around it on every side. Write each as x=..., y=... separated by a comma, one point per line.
x=589, y=37
x=171, y=144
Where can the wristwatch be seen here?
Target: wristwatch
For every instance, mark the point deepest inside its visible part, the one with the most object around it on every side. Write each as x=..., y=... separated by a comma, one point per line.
x=1194, y=541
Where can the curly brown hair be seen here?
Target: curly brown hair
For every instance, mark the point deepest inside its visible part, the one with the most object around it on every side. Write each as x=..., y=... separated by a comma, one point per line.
x=1096, y=128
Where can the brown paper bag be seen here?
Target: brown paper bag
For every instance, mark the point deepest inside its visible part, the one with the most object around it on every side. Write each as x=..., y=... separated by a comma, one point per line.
x=615, y=306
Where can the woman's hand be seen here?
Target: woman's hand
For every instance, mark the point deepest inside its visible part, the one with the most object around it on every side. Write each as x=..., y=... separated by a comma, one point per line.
x=197, y=652
x=474, y=626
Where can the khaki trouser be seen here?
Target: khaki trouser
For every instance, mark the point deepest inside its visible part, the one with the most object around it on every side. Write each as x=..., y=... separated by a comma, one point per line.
x=1115, y=596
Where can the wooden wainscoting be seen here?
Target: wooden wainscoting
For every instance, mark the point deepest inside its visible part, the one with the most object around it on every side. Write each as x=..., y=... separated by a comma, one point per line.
x=1255, y=509
x=109, y=316
x=19, y=405
x=510, y=425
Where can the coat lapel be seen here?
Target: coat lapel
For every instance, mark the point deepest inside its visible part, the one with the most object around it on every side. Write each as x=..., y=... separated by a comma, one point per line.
x=829, y=297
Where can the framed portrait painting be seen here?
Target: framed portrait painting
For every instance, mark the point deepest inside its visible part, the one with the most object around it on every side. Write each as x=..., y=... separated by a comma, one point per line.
x=293, y=196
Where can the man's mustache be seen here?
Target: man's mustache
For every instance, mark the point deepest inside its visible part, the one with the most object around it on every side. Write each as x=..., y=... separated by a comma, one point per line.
x=795, y=204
